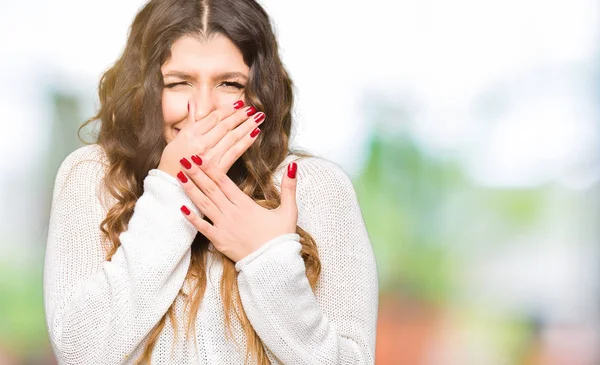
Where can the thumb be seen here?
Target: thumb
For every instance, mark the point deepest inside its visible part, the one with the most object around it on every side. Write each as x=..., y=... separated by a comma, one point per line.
x=288, y=189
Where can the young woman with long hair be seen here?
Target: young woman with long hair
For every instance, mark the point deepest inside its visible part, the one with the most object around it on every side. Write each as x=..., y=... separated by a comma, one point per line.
x=189, y=232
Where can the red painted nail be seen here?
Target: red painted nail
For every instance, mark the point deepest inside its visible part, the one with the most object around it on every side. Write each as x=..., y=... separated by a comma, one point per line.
x=238, y=104
x=197, y=160
x=255, y=132
x=259, y=117
x=185, y=210
x=292, y=170
x=188, y=106
x=184, y=161
x=181, y=176
x=250, y=111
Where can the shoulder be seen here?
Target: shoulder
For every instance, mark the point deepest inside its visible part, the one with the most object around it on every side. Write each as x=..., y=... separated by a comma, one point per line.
x=321, y=171
x=319, y=179
x=83, y=168
x=92, y=153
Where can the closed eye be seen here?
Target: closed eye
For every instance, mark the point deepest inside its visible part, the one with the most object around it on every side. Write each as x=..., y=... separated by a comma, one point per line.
x=172, y=85
x=228, y=84
x=233, y=84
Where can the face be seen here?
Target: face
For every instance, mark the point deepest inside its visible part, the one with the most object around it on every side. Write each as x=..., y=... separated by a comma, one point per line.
x=211, y=73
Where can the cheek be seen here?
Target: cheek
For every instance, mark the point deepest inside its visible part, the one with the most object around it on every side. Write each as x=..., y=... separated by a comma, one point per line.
x=174, y=107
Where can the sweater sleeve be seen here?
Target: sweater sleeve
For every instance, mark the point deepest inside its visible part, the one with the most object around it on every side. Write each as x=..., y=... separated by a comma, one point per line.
x=99, y=311
x=335, y=324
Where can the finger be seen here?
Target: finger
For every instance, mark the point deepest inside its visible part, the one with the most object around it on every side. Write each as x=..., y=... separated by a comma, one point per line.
x=288, y=189
x=207, y=229
x=225, y=184
x=216, y=134
x=235, y=152
x=242, y=132
x=205, y=124
x=208, y=187
x=221, y=114
x=191, y=112
x=204, y=204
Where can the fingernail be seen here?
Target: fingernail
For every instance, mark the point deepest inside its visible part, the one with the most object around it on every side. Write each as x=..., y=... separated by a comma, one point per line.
x=255, y=132
x=181, y=176
x=188, y=106
x=250, y=111
x=259, y=117
x=292, y=170
x=238, y=104
x=186, y=163
x=197, y=160
x=185, y=210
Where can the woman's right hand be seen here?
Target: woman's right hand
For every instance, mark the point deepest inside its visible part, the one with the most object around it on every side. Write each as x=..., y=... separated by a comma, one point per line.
x=222, y=139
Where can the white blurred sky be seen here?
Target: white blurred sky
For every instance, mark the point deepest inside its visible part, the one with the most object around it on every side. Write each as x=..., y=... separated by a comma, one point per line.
x=437, y=57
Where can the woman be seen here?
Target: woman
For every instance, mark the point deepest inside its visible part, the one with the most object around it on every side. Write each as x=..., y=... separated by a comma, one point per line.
x=172, y=240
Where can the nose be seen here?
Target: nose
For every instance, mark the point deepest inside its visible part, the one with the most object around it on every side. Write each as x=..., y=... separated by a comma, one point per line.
x=205, y=101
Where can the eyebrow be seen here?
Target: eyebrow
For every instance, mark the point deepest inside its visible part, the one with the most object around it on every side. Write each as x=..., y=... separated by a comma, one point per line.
x=223, y=75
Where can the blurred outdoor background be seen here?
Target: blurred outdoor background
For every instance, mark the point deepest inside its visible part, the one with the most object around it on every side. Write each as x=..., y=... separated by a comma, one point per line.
x=471, y=130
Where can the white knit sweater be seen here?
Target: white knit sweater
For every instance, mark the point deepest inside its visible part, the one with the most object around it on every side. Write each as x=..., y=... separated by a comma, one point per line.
x=100, y=312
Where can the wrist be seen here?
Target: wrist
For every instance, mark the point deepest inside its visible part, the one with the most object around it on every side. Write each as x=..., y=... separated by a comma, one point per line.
x=267, y=246
x=162, y=167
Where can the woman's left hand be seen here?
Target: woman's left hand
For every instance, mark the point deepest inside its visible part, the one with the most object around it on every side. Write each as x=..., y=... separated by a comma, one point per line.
x=239, y=225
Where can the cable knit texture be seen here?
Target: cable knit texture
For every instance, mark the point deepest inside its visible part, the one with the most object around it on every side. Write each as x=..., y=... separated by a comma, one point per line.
x=101, y=312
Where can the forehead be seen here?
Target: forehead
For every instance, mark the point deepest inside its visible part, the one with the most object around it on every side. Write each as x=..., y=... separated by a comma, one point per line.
x=213, y=55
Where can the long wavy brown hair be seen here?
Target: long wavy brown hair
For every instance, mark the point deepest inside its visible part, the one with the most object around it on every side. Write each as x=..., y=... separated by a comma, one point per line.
x=131, y=134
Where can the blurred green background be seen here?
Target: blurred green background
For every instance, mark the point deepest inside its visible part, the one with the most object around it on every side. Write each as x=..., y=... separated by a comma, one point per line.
x=470, y=130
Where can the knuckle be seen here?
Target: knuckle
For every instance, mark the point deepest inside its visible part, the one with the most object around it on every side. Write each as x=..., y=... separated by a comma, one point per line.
x=243, y=146
x=193, y=174
x=226, y=162
x=211, y=189
x=202, y=149
x=213, y=116
x=233, y=153
x=237, y=135
x=203, y=203
x=188, y=187
x=206, y=158
x=195, y=220
x=226, y=124
x=194, y=130
x=208, y=163
x=230, y=126
x=222, y=179
x=223, y=143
